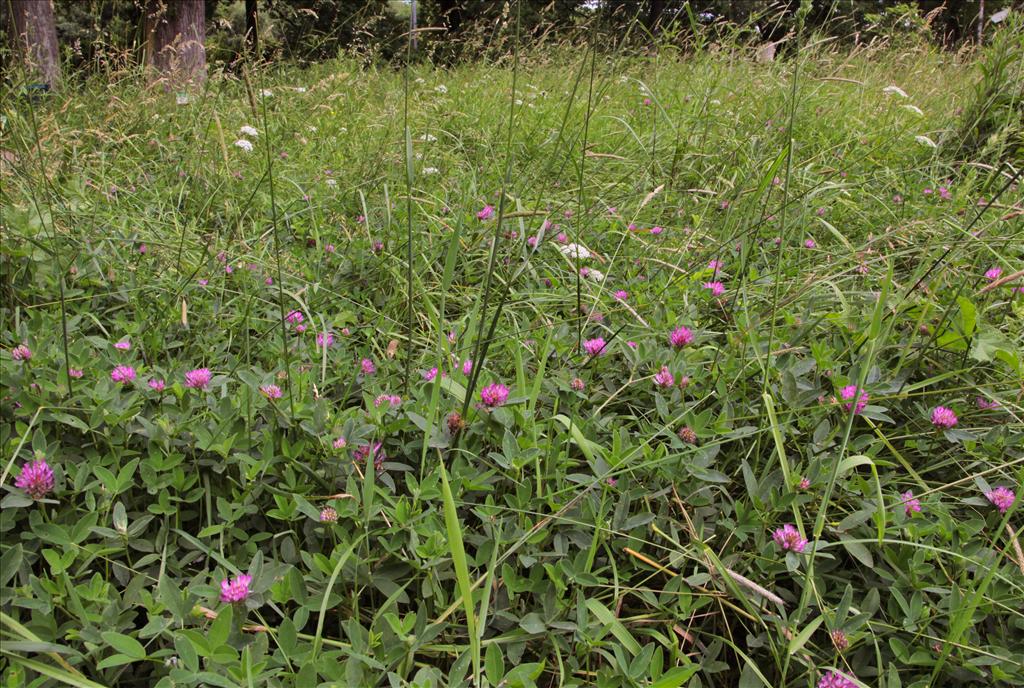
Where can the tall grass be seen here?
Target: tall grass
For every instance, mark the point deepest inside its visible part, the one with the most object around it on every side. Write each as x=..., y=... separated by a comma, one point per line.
x=596, y=528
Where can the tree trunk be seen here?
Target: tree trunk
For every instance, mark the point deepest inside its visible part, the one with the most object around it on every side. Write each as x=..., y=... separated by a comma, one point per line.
x=981, y=20
x=36, y=35
x=252, y=35
x=175, y=40
x=412, y=24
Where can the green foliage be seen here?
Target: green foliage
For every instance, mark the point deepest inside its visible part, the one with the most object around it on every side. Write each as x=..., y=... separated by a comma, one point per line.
x=899, y=24
x=992, y=124
x=596, y=528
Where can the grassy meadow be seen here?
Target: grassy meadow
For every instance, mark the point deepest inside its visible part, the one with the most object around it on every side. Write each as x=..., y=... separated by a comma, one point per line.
x=565, y=369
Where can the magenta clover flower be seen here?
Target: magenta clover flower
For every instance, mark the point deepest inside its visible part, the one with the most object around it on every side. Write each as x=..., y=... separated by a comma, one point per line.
x=235, y=589
x=494, y=394
x=1002, y=498
x=36, y=479
x=943, y=417
x=122, y=374
x=789, y=539
x=664, y=377
x=910, y=504
x=849, y=393
x=198, y=378
x=594, y=347
x=716, y=288
x=271, y=391
x=834, y=679
x=680, y=337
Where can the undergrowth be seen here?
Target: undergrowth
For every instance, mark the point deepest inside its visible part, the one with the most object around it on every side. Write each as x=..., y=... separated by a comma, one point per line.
x=668, y=410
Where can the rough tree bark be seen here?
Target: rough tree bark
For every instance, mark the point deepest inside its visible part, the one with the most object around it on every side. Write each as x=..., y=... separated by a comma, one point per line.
x=175, y=40
x=36, y=36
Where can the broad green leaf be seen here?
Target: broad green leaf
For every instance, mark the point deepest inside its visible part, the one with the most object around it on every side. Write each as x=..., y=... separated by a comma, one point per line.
x=125, y=644
x=675, y=677
x=115, y=660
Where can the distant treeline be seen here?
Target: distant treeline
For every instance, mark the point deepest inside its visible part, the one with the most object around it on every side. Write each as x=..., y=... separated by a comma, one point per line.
x=100, y=34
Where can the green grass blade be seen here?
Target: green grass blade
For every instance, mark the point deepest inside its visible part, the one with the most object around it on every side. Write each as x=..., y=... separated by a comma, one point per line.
x=62, y=675
x=458, y=551
x=318, y=635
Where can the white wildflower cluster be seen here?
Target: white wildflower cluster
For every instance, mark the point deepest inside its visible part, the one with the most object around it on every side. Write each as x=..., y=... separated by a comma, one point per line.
x=441, y=88
x=244, y=144
x=574, y=251
x=248, y=131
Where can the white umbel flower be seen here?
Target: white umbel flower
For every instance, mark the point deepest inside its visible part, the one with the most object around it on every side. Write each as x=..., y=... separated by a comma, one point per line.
x=244, y=145
x=248, y=131
x=574, y=251
x=441, y=88
x=430, y=170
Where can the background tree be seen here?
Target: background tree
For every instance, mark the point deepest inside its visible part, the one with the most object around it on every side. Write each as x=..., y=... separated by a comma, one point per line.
x=36, y=37
x=252, y=36
x=176, y=39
